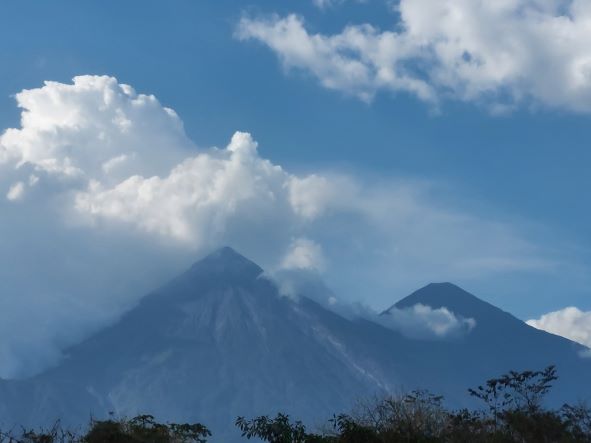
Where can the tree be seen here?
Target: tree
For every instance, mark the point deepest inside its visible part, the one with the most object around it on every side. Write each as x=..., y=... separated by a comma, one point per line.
x=145, y=429
x=518, y=391
x=277, y=430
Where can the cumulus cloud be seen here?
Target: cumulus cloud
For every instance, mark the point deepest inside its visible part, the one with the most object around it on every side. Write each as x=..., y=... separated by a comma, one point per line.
x=194, y=201
x=500, y=54
x=73, y=130
x=570, y=322
x=118, y=199
x=304, y=254
x=207, y=197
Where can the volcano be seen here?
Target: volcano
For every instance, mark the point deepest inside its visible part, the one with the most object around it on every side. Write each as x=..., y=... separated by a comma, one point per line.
x=220, y=341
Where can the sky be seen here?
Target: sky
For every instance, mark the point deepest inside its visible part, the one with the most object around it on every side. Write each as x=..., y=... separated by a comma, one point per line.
x=381, y=145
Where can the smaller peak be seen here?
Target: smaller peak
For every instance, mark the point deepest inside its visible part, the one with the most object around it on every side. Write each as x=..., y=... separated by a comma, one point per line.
x=442, y=285
x=438, y=294
x=446, y=295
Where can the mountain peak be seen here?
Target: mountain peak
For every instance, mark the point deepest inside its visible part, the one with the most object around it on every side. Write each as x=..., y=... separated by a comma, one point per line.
x=225, y=253
x=227, y=261
x=450, y=296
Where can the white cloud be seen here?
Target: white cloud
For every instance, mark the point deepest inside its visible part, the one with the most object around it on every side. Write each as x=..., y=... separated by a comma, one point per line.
x=195, y=201
x=72, y=130
x=304, y=254
x=501, y=53
x=326, y=4
x=323, y=3
x=569, y=322
x=417, y=322
x=420, y=321
x=205, y=198
x=16, y=191
x=115, y=162
x=314, y=195
x=116, y=187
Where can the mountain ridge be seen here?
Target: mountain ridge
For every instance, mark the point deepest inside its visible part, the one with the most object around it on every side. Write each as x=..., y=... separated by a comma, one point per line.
x=219, y=341
x=447, y=295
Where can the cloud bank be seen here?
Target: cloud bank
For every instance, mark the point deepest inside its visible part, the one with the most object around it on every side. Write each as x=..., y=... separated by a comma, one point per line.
x=423, y=322
x=500, y=54
x=418, y=322
x=105, y=197
x=571, y=323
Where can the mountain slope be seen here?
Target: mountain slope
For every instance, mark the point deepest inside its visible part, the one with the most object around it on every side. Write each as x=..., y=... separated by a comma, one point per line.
x=219, y=341
x=215, y=343
x=501, y=342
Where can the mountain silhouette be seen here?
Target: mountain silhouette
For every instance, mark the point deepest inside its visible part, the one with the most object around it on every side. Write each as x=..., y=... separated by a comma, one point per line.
x=220, y=341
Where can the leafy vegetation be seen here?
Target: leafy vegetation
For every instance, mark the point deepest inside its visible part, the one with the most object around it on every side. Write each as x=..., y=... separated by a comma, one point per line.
x=140, y=429
x=512, y=412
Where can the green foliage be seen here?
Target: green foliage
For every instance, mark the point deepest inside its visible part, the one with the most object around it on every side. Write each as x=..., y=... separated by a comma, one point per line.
x=348, y=430
x=517, y=391
x=276, y=430
x=140, y=429
x=418, y=413
x=55, y=434
x=513, y=413
x=145, y=429
x=577, y=420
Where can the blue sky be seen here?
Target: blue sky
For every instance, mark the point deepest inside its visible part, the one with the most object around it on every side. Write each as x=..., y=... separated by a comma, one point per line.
x=527, y=169
x=530, y=163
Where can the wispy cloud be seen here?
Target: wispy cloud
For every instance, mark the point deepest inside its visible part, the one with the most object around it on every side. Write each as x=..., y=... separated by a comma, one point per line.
x=500, y=54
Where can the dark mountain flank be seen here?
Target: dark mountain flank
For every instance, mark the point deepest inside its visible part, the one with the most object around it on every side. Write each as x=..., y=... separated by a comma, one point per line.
x=220, y=341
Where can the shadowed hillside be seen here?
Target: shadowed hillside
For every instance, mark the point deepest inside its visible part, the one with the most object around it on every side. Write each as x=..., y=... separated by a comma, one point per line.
x=219, y=341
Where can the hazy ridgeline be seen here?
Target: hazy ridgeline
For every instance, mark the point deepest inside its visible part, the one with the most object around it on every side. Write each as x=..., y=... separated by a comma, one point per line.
x=221, y=342
x=513, y=411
